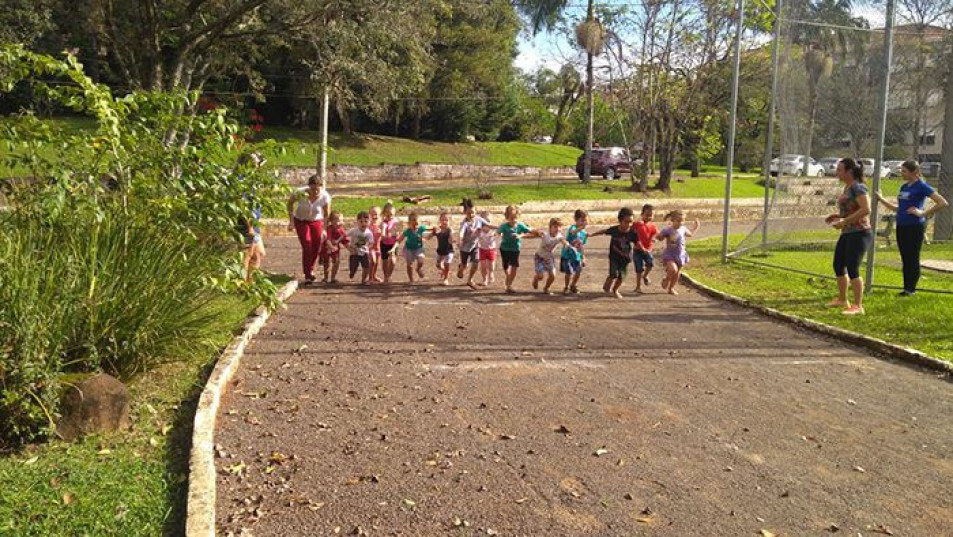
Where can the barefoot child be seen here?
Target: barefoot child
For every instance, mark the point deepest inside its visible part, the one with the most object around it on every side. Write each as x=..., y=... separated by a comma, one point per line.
x=331, y=253
x=620, y=251
x=413, y=240
x=469, y=235
x=544, y=261
x=359, y=243
x=375, y=252
x=573, y=257
x=675, y=256
x=642, y=254
x=486, y=242
x=511, y=231
x=389, y=234
x=444, y=236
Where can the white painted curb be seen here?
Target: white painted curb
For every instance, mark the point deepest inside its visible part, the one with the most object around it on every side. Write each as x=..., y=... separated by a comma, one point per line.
x=200, y=511
x=878, y=345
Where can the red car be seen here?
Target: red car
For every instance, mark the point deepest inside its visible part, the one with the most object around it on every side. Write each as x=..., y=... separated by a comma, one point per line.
x=609, y=162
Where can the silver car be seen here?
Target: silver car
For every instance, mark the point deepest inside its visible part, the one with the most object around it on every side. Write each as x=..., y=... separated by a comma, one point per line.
x=830, y=165
x=894, y=167
x=869, y=163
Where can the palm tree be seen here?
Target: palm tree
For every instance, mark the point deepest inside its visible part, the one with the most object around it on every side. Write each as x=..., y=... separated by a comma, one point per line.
x=590, y=35
x=820, y=44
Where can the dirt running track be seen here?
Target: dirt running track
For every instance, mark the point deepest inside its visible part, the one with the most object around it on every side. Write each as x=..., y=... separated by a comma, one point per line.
x=441, y=411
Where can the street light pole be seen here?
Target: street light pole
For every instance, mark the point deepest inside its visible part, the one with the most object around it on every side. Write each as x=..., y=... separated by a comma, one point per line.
x=732, y=130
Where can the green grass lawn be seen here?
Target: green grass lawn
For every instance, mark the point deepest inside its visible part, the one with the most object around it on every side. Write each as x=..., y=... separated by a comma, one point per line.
x=514, y=194
x=921, y=322
x=131, y=483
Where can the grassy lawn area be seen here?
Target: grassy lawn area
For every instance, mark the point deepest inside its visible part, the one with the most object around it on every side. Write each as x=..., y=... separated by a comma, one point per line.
x=131, y=483
x=921, y=322
x=507, y=194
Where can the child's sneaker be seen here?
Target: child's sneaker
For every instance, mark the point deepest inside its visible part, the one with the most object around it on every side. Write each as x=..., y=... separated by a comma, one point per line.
x=646, y=281
x=854, y=310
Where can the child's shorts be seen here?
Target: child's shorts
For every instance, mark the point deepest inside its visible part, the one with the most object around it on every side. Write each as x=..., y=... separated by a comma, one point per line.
x=357, y=261
x=642, y=260
x=487, y=254
x=386, y=250
x=467, y=258
x=253, y=239
x=445, y=259
x=570, y=265
x=544, y=264
x=510, y=259
x=411, y=255
x=618, y=267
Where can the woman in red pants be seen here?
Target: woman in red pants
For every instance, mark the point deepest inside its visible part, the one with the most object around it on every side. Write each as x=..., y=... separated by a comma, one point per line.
x=306, y=209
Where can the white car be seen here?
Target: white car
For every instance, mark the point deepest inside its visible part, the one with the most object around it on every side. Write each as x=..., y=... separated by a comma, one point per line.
x=869, y=167
x=794, y=165
x=894, y=167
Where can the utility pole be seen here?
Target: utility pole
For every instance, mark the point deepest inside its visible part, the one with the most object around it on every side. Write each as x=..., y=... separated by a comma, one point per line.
x=881, y=135
x=769, y=142
x=732, y=130
x=587, y=165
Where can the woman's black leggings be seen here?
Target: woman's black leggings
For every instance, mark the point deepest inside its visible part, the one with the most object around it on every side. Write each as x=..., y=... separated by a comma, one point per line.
x=909, y=241
x=850, y=251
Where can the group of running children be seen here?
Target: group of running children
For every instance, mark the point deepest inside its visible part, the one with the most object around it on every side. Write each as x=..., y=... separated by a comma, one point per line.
x=374, y=242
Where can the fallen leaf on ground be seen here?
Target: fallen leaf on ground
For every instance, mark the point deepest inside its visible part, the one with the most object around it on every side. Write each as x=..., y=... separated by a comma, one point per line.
x=236, y=469
x=562, y=429
x=68, y=498
x=600, y=452
x=766, y=533
x=522, y=500
x=860, y=469
x=31, y=460
x=104, y=451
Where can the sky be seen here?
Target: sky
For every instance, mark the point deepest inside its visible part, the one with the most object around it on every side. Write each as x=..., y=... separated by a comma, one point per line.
x=551, y=50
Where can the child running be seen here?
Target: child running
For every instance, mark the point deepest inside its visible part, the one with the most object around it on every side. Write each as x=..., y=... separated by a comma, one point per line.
x=544, y=261
x=444, y=236
x=359, y=241
x=375, y=254
x=620, y=251
x=331, y=253
x=511, y=232
x=573, y=257
x=413, y=239
x=388, y=240
x=675, y=256
x=486, y=242
x=642, y=254
x=469, y=235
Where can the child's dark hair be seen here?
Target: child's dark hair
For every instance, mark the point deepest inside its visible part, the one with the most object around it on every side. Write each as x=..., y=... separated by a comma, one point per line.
x=467, y=204
x=579, y=214
x=412, y=216
x=647, y=207
x=389, y=207
x=555, y=222
x=314, y=180
x=334, y=215
x=624, y=213
x=363, y=214
x=677, y=213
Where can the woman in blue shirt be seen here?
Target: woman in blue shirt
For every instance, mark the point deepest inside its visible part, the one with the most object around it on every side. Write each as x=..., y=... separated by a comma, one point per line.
x=912, y=220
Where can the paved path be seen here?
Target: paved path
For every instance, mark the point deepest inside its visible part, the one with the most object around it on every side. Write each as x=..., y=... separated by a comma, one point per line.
x=429, y=411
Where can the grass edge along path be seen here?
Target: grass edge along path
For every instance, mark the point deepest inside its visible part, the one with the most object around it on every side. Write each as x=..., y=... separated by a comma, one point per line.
x=126, y=483
x=920, y=322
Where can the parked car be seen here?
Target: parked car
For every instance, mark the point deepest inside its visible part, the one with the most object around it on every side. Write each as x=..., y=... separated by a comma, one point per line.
x=543, y=140
x=869, y=167
x=894, y=167
x=794, y=165
x=830, y=165
x=609, y=162
x=930, y=169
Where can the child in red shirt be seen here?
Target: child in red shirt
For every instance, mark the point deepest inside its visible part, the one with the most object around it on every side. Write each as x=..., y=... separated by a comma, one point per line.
x=642, y=253
x=331, y=253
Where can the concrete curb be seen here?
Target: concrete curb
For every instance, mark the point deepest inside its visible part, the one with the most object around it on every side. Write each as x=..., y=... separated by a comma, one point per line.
x=877, y=345
x=200, y=511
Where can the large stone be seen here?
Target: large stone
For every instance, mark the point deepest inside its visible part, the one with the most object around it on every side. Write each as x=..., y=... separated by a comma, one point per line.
x=97, y=404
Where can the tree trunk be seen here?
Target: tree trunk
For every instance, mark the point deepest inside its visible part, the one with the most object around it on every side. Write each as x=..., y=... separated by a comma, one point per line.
x=344, y=116
x=943, y=229
x=696, y=165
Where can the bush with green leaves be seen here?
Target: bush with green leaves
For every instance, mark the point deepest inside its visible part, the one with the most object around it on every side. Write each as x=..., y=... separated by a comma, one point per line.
x=113, y=249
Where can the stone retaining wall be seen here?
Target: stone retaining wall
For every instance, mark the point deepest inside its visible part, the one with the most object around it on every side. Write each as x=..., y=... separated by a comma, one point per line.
x=342, y=174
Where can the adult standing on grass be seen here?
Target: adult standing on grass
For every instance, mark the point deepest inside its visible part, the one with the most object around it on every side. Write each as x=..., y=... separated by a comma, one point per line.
x=912, y=220
x=853, y=220
x=306, y=209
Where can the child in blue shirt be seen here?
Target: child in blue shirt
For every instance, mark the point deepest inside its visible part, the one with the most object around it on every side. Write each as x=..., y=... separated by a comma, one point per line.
x=573, y=257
